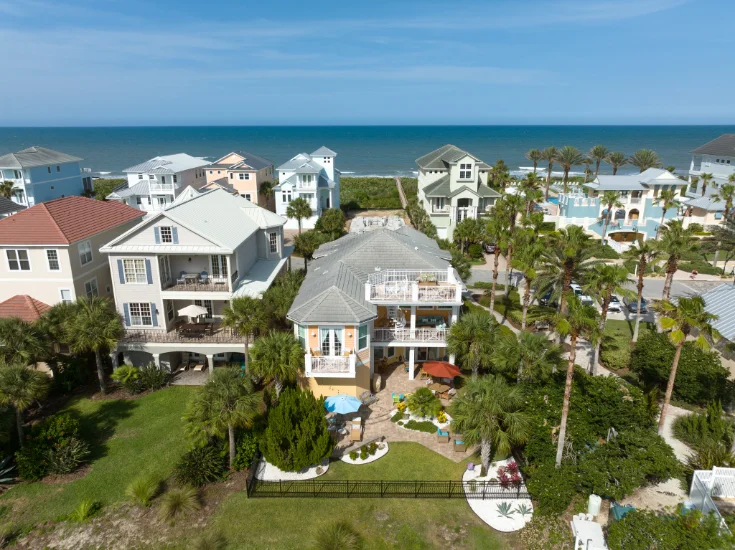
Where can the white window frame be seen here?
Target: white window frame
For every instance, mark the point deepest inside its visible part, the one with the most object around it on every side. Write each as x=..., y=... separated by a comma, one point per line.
x=17, y=259
x=134, y=264
x=241, y=176
x=302, y=335
x=93, y=290
x=169, y=237
x=56, y=259
x=286, y=196
x=140, y=315
x=61, y=295
x=164, y=269
x=333, y=333
x=273, y=242
x=84, y=248
x=465, y=171
x=206, y=304
x=360, y=337
x=170, y=313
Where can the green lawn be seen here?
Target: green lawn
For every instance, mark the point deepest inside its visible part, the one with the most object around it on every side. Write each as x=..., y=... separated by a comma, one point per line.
x=616, y=342
x=129, y=438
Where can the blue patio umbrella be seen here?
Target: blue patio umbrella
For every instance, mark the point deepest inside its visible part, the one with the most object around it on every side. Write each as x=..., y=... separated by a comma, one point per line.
x=342, y=404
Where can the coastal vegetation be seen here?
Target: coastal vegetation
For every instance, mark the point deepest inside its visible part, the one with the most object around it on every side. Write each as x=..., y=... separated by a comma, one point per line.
x=367, y=193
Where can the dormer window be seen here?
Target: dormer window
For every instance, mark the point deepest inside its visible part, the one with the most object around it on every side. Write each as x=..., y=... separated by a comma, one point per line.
x=465, y=171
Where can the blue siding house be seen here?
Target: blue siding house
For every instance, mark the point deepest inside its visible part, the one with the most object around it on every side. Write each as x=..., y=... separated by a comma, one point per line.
x=39, y=175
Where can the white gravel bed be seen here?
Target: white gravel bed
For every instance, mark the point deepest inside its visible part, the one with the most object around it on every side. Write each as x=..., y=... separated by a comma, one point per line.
x=487, y=510
x=268, y=472
x=442, y=425
x=380, y=453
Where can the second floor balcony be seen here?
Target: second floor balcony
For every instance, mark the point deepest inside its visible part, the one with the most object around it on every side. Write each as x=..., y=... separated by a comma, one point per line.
x=425, y=335
x=407, y=286
x=200, y=282
x=186, y=333
x=330, y=366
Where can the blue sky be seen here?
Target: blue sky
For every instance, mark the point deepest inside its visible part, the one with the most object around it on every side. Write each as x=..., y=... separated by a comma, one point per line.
x=122, y=62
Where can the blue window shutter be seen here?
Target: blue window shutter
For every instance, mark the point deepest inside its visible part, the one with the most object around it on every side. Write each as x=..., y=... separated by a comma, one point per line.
x=148, y=271
x=121, y=271
x=126, y=310
x=175, y=235
x=157, y=234
x=154, y=317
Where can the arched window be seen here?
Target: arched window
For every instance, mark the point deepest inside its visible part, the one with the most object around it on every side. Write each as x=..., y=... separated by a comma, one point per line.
x=620, y=214
x=633, y=214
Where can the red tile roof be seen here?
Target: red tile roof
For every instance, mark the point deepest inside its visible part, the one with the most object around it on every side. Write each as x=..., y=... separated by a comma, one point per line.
x=23, y=306
x=64, y=221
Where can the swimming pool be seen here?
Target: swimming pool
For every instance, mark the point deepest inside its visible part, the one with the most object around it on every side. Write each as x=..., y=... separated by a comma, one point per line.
x=553, y=200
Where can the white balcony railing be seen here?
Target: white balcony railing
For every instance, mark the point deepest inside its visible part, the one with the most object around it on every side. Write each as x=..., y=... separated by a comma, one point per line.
x=335, y=366
x=410, y=335
x=162, y=187
x=413, y=286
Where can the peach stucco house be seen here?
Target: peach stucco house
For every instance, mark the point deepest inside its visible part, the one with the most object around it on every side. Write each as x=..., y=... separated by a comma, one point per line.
x=242, y=173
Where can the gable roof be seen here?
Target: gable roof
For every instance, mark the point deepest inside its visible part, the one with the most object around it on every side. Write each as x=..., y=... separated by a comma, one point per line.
x=323, y=152
x=635, y=182
x=334, y=288
x=64, y=221
x=723, y=145
x=23, y=307
x=7, y=206
x=442, y=188
x=168, y=164
x=248, y=160
x=706, y=203
x=442, y=158
x=35, y=156
x=720, y=301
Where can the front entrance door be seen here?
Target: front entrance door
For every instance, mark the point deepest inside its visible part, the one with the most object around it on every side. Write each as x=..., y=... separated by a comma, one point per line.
x=463, y=209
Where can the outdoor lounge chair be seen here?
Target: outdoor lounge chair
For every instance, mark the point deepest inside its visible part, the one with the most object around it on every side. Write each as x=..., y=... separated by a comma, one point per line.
x=459, y=446
x=442, y=436
x=396, y=399
x=199, y=367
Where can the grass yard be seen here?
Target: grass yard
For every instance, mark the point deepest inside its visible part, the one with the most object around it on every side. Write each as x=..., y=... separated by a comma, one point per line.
x=383, y=523
x=617, y=343
x=128, y=437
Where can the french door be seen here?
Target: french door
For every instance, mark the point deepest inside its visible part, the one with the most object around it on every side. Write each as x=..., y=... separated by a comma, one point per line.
x=219, y=267
x=330, y=341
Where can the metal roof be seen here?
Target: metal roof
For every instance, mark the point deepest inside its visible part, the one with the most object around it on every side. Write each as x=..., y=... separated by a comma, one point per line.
x=35, y=156
x=441, y=158
x=723, y=145
x=720, y=301
x=323, y=152
x=635, y=182
x=706, y=203
x=168, y=164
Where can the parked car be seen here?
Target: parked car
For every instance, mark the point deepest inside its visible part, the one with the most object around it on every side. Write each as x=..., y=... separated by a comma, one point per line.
x=489, y=248
x=546, y=300
x=632, y=305
x=615, y=304
x=586, y=300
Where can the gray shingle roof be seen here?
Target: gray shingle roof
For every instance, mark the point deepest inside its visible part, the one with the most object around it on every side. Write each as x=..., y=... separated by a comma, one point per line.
x=441, y=158
x=7, y=206
x=35, y=156
x=720, y=301
x=253, y=161
x=723, y=145
x=323, y=152
x=139, y=189
x=334, y=288
x=442, y=188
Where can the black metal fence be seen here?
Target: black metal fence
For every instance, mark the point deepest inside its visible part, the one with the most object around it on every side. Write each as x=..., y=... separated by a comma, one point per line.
x=343, y=488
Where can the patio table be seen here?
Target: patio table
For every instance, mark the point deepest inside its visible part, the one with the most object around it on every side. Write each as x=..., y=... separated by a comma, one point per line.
x=193, y=328
x=440, y=389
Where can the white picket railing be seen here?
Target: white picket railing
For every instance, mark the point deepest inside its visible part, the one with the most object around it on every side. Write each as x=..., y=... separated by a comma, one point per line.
x=410, y=335
x=330, y=365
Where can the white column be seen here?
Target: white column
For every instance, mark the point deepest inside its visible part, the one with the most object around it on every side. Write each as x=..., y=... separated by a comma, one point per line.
x=451, y=358
x=411, y=358
x=413, y=317
x=156, y=360
x=331, y=199
x=455, y=314
x=210, y=364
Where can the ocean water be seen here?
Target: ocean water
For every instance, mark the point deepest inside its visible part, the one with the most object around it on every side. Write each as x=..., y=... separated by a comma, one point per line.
x=362, y=150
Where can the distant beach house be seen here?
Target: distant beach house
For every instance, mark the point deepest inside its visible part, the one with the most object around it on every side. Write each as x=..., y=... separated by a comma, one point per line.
x=716, y=157
x=155, y=183
x=9, y=207
x=198, y=254
x=453, y=185
x=242, y=173
x=39, y=174
x=311, y=177
x=637, y=219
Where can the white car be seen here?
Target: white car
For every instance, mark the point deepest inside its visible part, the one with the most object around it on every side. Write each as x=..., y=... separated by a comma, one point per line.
x=615, y=304
x=586, y=300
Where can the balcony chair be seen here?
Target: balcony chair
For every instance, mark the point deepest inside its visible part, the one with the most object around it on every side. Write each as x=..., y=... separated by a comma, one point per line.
x=181, y=280
x=204, y=277
x=442, y=436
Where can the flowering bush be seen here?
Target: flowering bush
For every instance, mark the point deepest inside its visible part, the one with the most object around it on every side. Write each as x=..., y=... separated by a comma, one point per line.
x=509, y=475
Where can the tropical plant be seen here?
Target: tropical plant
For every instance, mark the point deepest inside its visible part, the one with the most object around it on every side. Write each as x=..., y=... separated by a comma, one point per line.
x=472, y=338
x=266, y=189
x=549, y=155
x=496, y=230
x=338, y=535
x=642, y=253
x=199, y=466
x=247, y=316
x=20, y=386
x=298, y=209
x=85, y=511
x=21, y=341
x=534, y=155
x=6, y=189
x=151, y=377
x=423, y=402
x=505, y=509
x=705, y=179
x=722, y=239
x=227, y=401
x=489, y=412
x=94, y=326
x=277, y=356
x=499, y=175
x=567, y=157
x=461, y=264
x=531, y=356
x=643, y=159
x=709, y=454
x=579, y=321
x=726, y=193
x=616, y=159
x=709, y=425
x=306, y=244
x=667, y=199
x=279, y=297
x=66, y=458
x=680, y=320
x=509, y=207
x=468, y=231
x=53, y=446
x=331, y=221
x=587, y=161
x=603, y=281
x=178, y=502
x=52, y=325
x=128, y=377
x=142, y=490
x=527, y=260
x=524, y=510
x=246, y=449
x=598, y=153
x=297, y=435
x=531, y=189
x=675, y=241
x=610, y=200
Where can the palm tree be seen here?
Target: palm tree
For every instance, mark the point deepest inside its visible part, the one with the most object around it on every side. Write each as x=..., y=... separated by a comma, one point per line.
x=496, y=230
x=598, y=153
x=21, y=341
x=667, y=199
x=531, y=190
x=643, y=253
x=603, y=281
x=266, y=189
x=643, y=159
x=227, y=402
x=509, y=207
x=468, y=231
x=246, y=315
x=674, y=241
x=306, y=244
x=549, y=155
x=277, y=356
x=680, y=320
x=579, y=321
x=471, y=340
x=299, y=209
x=94, y=325
x=569, y=156
x=530, y=354
x=610, y=200
x=489, y=412
x=527, y=259
x=726, y=193
x=20, y=386
x=6, y=189
x=706, y=178
x=616, y=159
x=587, y=161
x=499, y=175
x=534, y=155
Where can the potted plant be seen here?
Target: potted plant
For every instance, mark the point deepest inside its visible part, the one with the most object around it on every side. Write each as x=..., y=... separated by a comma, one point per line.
x=427, y=279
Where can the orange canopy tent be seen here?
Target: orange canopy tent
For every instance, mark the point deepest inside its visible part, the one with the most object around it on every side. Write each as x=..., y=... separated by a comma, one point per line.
x=441, y=369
